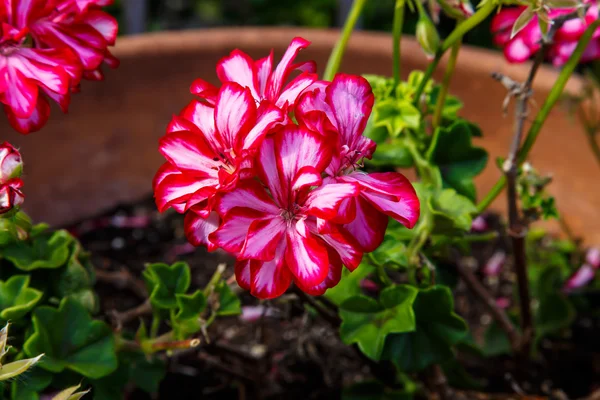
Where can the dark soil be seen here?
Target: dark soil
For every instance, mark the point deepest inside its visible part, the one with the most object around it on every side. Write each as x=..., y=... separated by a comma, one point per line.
x=289, y=352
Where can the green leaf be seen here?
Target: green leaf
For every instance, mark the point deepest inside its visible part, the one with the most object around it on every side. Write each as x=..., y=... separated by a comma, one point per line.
x=361, y=304
x=554, y=314
x=72, y=340
x=396, y=115
x=186, y=320
x=459, y=162
x=392, y=154
x=391, y=251
x=229, y=304
x=112, y=386
x=452, y=212
x=495, y=341
x=40, y=252
x=148, y=373
x=166, y=282
x=349, y=284
x=524, y=18
x=17, y=298
x=369, y=328
x=27, y=389
x=438, y=328
x=76, y=280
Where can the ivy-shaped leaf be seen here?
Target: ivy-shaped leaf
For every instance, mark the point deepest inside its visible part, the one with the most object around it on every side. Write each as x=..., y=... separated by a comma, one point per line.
x=349, y=284
x=396, y=115
x=452, y=213
x=166, y=282
x=229, y=304
x=72, y=340
x=459, y=162
x=76, y=280
x=392, y=154
x=17, y=298
x=28, y=389
x=368, y=322
x=186, y=320
x=438, y=328
x=43, y=251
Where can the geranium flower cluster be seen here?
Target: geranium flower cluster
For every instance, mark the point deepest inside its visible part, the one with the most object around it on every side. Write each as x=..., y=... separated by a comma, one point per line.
x=46, y=48
x=527, y=41
x=270, y=172
x=11, y=167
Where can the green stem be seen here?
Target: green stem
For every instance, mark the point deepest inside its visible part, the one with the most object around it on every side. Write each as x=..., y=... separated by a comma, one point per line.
x=155, y=324
x=383, y=276
x=483, y=237
x=551, y=100
x=397, y=37
x=439, y=106
x=455, y=36
x=335, y=59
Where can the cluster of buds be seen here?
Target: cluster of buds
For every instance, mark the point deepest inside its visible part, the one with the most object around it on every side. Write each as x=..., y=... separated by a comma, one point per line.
x=11, y=167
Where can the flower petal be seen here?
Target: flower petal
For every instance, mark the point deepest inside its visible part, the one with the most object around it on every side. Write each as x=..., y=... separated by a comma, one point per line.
x=205, y=90
x=284, y=68
x=189, y=152
x=34, y=122
x=391, y=193
x=306, y=257
x=294, y=89
x=238, y=67
x=263, y=238
x=248, y=194
x=232, y=233
x=235, y=114
x=198, y=229
x=333, y=277
x=270, y=279
x=369, y=225
x=324, y=201
x=267, y=116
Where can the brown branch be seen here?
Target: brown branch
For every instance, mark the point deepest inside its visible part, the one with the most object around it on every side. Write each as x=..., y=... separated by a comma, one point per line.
x=518, y=227
x=121, y=318
x=123, y=279
x=496, y=312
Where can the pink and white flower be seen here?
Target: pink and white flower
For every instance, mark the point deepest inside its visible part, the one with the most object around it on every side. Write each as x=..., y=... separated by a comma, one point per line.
x=11, y=195
x=264, y=81
x=341, y=110
x=526, y=42
x=208, y=149
x=11, y=164
x=274, y=233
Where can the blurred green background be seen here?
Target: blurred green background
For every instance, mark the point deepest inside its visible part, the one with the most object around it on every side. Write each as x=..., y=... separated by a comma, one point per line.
x=136, y=16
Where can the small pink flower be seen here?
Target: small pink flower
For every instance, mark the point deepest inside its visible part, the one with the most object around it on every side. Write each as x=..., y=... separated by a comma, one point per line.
x=527, y=41
x=592, y=257
x=495, y=264
x=264, y=82
x=580, y=278
x=503, y=302
x=479, y=224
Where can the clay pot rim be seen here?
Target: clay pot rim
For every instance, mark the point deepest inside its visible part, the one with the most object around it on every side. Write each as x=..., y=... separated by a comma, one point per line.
x=481, y=61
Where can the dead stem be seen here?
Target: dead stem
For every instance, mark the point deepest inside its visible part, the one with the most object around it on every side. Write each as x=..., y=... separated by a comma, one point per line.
x=497, y=313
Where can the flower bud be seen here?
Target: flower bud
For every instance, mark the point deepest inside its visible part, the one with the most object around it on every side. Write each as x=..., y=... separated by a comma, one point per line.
x=457, y=9
x=593, y=257
x=427, y=35
x=11, y=165
x=11, y=196
x=580, y=278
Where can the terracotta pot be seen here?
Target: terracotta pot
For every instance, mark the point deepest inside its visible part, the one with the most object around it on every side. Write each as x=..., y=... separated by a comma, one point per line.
x=104, y=152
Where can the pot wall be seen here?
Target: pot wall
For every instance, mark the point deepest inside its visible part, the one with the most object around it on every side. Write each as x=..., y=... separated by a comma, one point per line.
x=104, y=152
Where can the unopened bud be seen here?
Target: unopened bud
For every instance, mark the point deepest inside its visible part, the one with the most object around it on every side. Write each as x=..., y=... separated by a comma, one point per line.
x=457, y=9
x=11, y=197
x=593, y=257
x=580, y=278
x=11, y=165
x=427, y=35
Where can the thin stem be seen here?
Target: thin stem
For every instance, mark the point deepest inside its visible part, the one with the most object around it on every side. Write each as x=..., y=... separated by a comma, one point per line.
x=540, y=119
x=497, y=313
x=397, y=37
x=455, y=36
x=439, y=106
x=335, y=59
